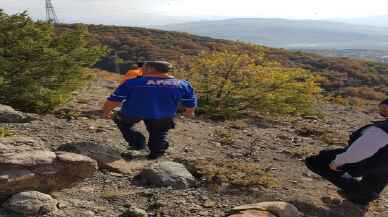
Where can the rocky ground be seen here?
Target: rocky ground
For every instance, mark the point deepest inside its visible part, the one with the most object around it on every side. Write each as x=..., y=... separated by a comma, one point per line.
x=278, y=147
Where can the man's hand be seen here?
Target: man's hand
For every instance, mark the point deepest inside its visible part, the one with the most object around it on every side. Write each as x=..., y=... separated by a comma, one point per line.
x=107, y=110
x=334, y=167
x=108, y=115
x=189, y=113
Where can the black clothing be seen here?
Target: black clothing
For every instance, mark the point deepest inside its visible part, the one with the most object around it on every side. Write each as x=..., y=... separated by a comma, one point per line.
x=157, y=129
x=371, y=185
x=373, y=170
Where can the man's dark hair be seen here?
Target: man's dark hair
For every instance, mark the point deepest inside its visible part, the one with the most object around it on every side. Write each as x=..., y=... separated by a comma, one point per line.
x=160, y=66
x=140, y=64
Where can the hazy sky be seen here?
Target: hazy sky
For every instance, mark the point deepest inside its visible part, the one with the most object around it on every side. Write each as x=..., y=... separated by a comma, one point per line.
x=144, y=11
x=283, y=8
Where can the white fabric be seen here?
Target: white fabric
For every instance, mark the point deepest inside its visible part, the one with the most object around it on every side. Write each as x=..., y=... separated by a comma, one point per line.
x=372, y=140
x=348, y=176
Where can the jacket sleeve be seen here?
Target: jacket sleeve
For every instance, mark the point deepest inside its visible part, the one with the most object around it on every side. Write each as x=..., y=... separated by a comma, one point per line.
x=189, y=98
x=121, y=93
x=372, y=140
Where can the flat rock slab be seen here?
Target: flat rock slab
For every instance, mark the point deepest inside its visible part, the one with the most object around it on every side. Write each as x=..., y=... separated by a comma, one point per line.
x=31, y=203
x=28, y=159
x=279, y=209
x=107, y=157
x=253, y=213
x=120, y=166
x=42, y=171
x=166, y=174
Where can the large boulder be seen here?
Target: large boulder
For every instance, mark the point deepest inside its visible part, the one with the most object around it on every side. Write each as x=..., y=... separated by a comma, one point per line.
x=106, y=156
x=10, y=115
x=40, y=170
x=270, y=209
x=31, y=203
x=166, y=174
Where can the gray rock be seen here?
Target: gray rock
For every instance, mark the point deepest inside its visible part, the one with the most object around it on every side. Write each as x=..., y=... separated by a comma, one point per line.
x=107, y=156
x=10, y=115
x=167, y=174
x=25, y=169
x=31, y=203
x=136, y=212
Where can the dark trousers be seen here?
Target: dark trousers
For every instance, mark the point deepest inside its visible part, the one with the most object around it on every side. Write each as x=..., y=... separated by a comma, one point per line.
x=157, y=129
x=373, y=181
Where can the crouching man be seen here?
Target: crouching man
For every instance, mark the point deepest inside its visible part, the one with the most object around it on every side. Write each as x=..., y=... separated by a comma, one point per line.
x=361, y=169
x=152, y=98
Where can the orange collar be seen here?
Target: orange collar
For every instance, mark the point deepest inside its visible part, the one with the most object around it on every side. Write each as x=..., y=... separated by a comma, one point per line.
x=158, y=75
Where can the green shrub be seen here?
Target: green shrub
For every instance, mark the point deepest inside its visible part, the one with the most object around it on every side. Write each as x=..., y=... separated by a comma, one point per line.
x=301, y=151
x=39, y=69
x=229, y=84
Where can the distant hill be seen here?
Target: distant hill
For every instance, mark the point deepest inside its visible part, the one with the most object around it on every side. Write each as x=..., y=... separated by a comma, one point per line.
x=379, y=21
x=362, y=54
x=139, y=44
x=284, y=33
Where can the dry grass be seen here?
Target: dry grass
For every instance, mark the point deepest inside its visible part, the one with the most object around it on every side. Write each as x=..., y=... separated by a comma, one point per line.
x=238, y=124
x=83, y=101
x=326, y=136
x=5, y=132
x=224, y=136
x=302, y=151
x=109, y=76
x=109, y=194
x=238, y=173
x=68, y=114
x=311, y=130
x=332, y=138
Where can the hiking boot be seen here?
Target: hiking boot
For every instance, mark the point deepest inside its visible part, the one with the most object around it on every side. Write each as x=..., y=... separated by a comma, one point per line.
x=136, y=148
x=358, y=198
x=154, y=156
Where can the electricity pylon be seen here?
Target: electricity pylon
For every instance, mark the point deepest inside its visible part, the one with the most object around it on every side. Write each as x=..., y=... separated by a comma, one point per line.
x=51, y=16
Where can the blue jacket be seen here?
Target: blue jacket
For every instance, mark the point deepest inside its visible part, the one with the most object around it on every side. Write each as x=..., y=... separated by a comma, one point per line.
x=153, y=98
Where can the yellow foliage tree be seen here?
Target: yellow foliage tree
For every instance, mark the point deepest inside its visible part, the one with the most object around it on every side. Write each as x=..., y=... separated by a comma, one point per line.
x=230, y=84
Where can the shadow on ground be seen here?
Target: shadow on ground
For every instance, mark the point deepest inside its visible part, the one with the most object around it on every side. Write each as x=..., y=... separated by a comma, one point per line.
x=344, y=209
